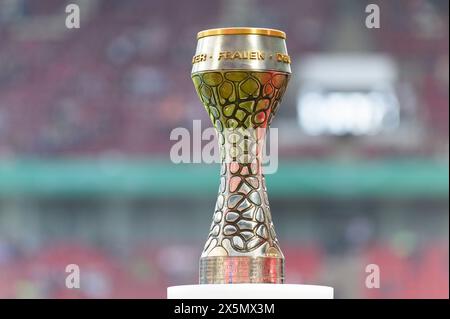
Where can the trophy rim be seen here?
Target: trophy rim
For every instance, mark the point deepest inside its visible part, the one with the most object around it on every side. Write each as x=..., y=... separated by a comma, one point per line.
x=241, y=31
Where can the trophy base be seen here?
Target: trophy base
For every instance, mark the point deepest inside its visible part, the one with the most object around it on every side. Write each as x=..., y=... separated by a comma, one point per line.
x=240, y=270
x=250, y=291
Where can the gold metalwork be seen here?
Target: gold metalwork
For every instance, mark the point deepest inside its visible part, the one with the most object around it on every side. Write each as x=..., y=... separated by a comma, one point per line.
x=241, y=101
x=242, y=31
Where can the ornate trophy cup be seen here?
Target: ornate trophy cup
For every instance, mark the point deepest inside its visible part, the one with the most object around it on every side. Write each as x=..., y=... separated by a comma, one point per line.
x=240, y=75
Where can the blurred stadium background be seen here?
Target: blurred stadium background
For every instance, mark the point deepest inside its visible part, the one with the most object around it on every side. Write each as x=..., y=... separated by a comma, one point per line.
x=85, y=119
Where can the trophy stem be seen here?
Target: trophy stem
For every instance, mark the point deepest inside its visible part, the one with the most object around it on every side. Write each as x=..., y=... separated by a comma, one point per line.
x=242, y=246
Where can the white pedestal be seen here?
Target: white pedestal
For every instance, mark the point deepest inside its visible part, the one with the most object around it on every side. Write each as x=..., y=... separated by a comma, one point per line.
x=250, y=291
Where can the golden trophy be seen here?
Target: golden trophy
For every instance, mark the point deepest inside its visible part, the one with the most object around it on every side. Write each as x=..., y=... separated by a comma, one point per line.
x=240, y=75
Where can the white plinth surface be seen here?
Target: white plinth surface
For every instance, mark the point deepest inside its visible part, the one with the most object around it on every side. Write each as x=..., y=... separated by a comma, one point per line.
x=250, y=291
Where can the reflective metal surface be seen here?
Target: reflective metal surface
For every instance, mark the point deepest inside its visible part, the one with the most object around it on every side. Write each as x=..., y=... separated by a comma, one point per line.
x=241, y=79
x=241, y=52
x=240, y=31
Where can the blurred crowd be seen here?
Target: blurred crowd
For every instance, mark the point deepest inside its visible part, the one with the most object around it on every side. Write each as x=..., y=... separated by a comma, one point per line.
x=117, y=87
x=146, y=272
x=121, y=82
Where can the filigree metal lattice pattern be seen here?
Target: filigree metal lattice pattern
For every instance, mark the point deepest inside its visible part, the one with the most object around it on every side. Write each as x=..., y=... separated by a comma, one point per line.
x=241, y=105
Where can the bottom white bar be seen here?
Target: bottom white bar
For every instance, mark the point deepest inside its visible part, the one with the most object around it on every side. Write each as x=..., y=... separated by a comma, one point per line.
x=250, y=291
